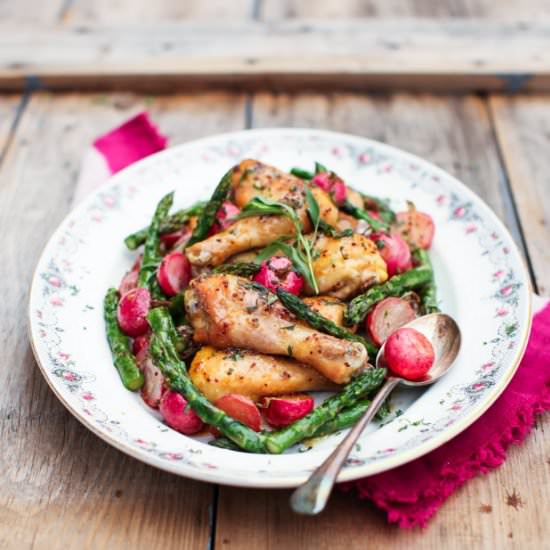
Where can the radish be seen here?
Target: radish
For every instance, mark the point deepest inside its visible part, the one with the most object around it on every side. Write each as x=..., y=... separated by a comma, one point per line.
x=409, y=353
x=417, y=228
x=240, y=408
x=277, y=273
x=394, y=251
x=174, y=273
x=132, y=312
x=129, y=282
x=333, y=185
x=140, y=343
x=154, y=386
x=224, y=217
x=387, y=316
x=178, y=415
x=284, y=410
x=175, y=237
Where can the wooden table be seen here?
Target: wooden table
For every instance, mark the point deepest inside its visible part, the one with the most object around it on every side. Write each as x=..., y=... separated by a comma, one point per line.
x=61, y=486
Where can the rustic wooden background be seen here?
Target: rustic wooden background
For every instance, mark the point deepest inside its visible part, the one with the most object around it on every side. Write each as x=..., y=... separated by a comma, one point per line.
x=61, y=486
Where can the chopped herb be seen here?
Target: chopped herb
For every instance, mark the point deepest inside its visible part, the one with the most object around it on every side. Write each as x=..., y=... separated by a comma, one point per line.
x=289, y=350
x=289, y=327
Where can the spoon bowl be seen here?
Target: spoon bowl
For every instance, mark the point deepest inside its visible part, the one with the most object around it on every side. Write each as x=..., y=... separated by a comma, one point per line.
x=444, y=335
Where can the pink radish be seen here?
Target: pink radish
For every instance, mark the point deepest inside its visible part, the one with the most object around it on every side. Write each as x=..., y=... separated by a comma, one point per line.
x=387, y=316
x=140, y=343
x=224, y=217
x=277, y=273
x=332, y=184
x=154, y=385
x=284, y=410
x=132, y=312
x=178, y=415
x=394, y=251
x=129, y=282
x=409, y=354
x=240, y=408
x=417, y=228
x=174, y=273
x=170, y=239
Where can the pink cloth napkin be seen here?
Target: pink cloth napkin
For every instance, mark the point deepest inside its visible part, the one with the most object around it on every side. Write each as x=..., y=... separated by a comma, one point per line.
x=412, y=493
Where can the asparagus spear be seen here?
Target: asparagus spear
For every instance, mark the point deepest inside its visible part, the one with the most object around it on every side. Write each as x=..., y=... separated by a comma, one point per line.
x=361, y=214
x=170, y=224
x=428, y=293
x=208, y=216
x=151, y=251
x=320, y=323
x=165, y=357
x=277, y=442
x=244, y=269
x=397, y=285
x=350, y=416
x=119, y=343
x=224, y=443
x=301, y=173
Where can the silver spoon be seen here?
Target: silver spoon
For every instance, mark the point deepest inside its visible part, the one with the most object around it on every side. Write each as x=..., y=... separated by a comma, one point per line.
x=444, y=335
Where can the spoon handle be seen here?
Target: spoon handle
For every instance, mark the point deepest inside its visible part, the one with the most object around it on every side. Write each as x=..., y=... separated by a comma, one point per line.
x=311, y=497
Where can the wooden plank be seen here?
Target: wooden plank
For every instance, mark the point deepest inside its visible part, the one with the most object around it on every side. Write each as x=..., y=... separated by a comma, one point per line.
x=8, y=111
x=343, y=54
x=83, y=12
x=456, y=134
x=61, y=486
x=16, y=12
x=489, y=9
x=523, y=131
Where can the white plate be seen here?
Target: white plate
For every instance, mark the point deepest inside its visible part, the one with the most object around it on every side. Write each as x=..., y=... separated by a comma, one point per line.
x=482, y=283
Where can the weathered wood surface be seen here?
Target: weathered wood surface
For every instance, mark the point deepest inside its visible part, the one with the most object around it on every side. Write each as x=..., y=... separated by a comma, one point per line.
x=61, y=486
x=456, y=134
x=8, y=112
x=342, y=53
x=506, y=10
x=523, y=131
x=136, y=11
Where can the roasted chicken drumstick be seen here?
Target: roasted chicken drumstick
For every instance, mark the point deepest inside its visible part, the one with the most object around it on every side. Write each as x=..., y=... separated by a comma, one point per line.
x=229, y=311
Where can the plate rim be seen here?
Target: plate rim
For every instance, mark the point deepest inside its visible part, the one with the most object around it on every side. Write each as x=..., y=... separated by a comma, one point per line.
x=292, y=480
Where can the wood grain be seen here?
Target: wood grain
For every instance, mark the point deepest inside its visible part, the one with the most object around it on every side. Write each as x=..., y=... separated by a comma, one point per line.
x=523, y=131
x=487, y=9
x=83, y=12
x=61, y=486
x=456, y=134
x=8, y=112
x=30, y=12
x=343, y=54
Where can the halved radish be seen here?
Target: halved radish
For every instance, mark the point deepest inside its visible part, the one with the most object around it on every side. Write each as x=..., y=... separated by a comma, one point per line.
x=174, y=273
x=394, y=251
x=240, y=408
x=332, y=184
x=154, y=386
x=286, y=409
x=224, y=217
x=387, y=316
x=175, y=237
x=278, y=272
x=129, y=282
x=417, y=228
x=140, y=343
x=409, y=354
x=132, y=312
x=178, y=415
